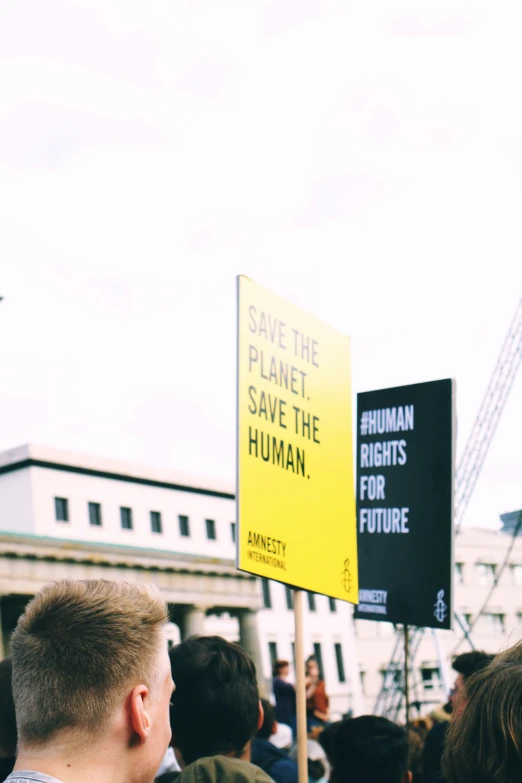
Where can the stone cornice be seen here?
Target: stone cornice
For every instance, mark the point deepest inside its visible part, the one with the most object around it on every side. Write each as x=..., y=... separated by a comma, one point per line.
x=33, y=547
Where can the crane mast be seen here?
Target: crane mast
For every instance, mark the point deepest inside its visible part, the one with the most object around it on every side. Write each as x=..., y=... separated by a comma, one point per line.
x=389, y=700
x=488, y=416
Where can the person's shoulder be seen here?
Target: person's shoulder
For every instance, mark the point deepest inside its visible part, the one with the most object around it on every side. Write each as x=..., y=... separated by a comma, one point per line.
x=264, y=752
x=168, y=777
x=438, y=732
x=260, y=743
x=28, y=776
x=434, y=743
x=284, y=770
x=221, y=769
x=285, y=762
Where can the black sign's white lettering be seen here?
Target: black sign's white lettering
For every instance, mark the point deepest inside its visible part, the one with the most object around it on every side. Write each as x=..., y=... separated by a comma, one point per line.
x=405, y=455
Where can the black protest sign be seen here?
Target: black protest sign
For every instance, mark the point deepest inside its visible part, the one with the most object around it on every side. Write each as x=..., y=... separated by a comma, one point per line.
x=405, y=464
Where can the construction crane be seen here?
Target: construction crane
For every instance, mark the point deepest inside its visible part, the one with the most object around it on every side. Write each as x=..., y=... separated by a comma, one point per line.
x=390, y=698
x=488, y=417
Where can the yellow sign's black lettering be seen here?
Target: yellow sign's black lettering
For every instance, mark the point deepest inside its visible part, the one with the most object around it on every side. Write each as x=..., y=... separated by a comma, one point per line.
x=266, y=543
x=268, y=407
x=276, y=371
x=275, y=450
x=269, y=327
x=306, y=425
x=305, y=348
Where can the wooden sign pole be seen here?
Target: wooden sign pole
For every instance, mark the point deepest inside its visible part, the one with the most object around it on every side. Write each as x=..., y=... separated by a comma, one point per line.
x=300, y=689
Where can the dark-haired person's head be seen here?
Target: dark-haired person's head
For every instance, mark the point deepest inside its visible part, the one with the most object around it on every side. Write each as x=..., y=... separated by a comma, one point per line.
x=281, y=669
x=215, y=708
x=7, y=720
x=484, y=743
x=471, y=662
x=369, y=749
x=269, y=724
x=325, y=739
x=466, y=665
x=312, y=667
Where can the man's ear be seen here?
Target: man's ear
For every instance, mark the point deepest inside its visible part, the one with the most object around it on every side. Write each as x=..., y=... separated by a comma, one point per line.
x=261, y=716
x=139, y=715
x=408, y=777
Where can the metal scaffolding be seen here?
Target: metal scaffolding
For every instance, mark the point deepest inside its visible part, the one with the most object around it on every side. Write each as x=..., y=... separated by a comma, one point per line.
x=392, y=694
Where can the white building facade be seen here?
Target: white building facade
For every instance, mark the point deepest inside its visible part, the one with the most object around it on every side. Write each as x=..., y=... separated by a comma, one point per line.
x=79, y=510
x=65, y=514
x=479, y=558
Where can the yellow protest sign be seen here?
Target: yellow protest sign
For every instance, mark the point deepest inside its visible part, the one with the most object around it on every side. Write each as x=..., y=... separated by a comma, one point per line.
x=295, y=494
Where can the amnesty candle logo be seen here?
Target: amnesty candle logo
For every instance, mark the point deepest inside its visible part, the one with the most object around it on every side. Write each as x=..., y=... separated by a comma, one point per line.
x=441, y=608
x=347, y=576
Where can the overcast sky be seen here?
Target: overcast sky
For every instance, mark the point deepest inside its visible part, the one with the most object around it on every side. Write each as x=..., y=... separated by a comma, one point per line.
x=361, y=159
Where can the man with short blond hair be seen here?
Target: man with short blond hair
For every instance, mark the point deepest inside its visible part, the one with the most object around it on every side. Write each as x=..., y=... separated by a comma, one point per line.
x=91, y=684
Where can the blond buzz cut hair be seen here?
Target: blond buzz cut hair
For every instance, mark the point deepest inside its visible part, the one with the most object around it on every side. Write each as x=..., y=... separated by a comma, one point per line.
x=77, y=650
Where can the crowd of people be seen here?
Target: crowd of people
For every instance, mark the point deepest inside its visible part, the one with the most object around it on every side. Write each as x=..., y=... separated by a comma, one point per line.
x=92, y=695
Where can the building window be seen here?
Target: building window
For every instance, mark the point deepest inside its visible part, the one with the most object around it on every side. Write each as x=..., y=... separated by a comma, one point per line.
x=155, y=522
x=311, y=602
x=184, y=526
x=362, y=675
x=272, y=649
x=340, y=663
x=293, y=655
x=233, y=532
x=267, y=598
x=486, y=573
x=333, y=606
x=430, y=678
x=496, y=623
x=289, y=598
x=516, y=574
x=126, y=518
x=211, y=529
x=519, y=618
x=459, y=573
x=95, y=514
x=61, y=508
x=318, y=655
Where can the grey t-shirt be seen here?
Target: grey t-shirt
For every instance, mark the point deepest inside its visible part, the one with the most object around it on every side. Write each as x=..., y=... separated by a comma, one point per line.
x=28, y=776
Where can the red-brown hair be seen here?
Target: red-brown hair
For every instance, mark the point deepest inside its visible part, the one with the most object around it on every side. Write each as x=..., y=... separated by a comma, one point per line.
x=278, y=666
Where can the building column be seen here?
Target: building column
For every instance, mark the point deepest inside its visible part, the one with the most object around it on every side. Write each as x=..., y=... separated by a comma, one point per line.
x=249, y=640
x=193, y=623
